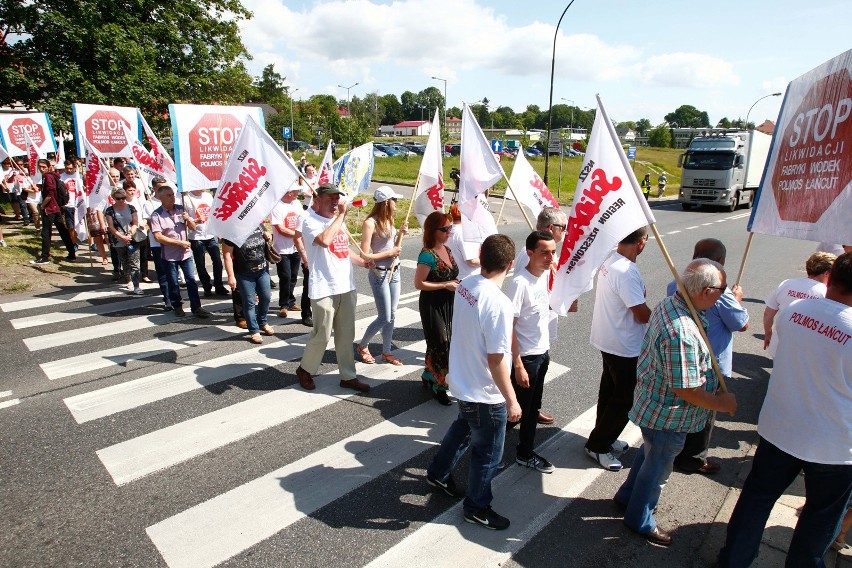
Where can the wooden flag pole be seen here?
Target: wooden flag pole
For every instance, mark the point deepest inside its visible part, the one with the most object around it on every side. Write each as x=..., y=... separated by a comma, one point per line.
x=692, y=310
x=745, y=257
x=500, y=213
x=399, y=233
x=515, y=195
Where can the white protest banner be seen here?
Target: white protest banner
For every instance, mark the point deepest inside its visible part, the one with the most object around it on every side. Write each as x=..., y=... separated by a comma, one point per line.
x=528, y=187
x=429, y=193
x=146, y=165
x=805, y=192
x=34, y=154
x=479, y=170
x=15, y=126
x=608, y=205
x=477, y=221
x=353, y=171
x=159, y=152
x=257, y=175
x=59, y=158
x=96, y=181
x=204, y=137
x=100, y=125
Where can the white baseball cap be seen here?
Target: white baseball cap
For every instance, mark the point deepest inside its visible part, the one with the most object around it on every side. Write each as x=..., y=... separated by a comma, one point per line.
x=384, y=193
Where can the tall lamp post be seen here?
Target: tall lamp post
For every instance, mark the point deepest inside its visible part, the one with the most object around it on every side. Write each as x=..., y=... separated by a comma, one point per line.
x=349, y=111
x=292, y=129
x=571, y=125
x=550, y=104
x=757, y=101
x=444, y=123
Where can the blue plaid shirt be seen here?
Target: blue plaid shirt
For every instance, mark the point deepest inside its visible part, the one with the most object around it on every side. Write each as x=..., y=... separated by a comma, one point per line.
x=673, y=357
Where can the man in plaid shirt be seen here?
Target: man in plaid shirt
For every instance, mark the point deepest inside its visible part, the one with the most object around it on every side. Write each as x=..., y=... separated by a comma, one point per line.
x=675, y=393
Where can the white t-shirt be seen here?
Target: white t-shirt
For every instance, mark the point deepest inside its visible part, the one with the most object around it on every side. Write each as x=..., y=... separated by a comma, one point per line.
x=148, y=208
x=788, y=292
x=198, y=208
x=330, y=268
x=74, y=183
x=23, y=183
x=807, y=411
x=531, y=306
x=9, y=177
x=482, y=324
x=287, y=214
x=615, y=329
x=462, y=252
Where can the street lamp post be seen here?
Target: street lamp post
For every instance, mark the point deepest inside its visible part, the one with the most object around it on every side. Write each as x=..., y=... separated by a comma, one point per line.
x=757, y=101
x=571, y=125
x=550, y=106
x=349, y=112
x=445, y=99
x=292, y=128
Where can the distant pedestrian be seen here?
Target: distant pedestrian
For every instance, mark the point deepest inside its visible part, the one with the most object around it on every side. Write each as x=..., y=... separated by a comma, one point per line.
x=248, y=272
x=662, y=181
x=52, y=214
x=123, y=222
x=646, y=185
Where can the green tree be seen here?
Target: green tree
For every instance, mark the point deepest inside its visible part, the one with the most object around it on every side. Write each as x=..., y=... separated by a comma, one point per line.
x=271, y=89
x=134, y=53
x=392, y=110
x=687, y=116
x=627, y=124
x=643, y=125
x=660, y=137
x=410, y=108
x=430, y=99
x=454, y=112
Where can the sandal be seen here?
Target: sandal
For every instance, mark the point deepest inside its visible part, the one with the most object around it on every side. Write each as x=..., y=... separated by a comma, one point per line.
x=365, y=355
x=388, y=358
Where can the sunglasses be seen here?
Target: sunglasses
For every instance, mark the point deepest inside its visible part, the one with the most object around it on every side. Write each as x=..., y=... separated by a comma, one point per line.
x=446, y=229
x=563, y=227
x=120, y=198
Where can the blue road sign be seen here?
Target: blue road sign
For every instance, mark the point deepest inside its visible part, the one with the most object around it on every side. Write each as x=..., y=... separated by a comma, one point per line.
x=286, y=132
x=631, y=152
x=496, y=146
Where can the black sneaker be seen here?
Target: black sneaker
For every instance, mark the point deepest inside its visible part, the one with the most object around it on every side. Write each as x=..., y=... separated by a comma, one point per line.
x=536, y=462
x=208, y=293
x=488, y=519
x=223, y=292
x=179, y=312
x=71, y=257
x=448, y=486
x=308, y=322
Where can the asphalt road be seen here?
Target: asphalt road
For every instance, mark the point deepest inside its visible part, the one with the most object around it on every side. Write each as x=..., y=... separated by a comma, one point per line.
x=139, y=439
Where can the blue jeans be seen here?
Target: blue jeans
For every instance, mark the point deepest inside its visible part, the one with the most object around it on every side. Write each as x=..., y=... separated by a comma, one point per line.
x=387, y=300
x=288, y=270
x=483, y=428
x=210, y=245
x=648, y=475
x=187, y=266
x=249, y=284
x=827, y=493
x=162, y=270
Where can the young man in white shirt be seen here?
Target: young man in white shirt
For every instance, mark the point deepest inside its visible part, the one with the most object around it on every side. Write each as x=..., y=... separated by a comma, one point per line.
x=74, y=182
x=619, y=321
x=805, y=425
x=198, y=204
x=479, y=378
x=531, y=341
x=817, y=267
x=284, y=219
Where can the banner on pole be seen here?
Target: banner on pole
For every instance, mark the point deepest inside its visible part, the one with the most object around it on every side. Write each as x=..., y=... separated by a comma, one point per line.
x=96, y=181
x=353, y=171
x=204, y=137
x=14, y=127
x=806, y=189
x=608, y=205
x=529, y=188
x=429, y=193
x=101, y=126
x=257, y=175
x=159, y=152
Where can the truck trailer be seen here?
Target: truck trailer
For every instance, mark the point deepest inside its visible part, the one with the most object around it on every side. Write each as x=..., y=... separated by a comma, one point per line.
x=723, y=169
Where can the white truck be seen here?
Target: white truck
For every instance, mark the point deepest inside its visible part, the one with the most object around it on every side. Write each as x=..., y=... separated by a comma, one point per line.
x=714, y=168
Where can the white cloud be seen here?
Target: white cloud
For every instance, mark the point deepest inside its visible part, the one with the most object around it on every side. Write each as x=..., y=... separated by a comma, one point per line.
x=689, y=70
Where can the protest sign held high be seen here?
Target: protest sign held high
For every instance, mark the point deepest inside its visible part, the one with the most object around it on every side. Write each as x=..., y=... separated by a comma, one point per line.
x=101, y=126
x=15, y=127
x=429, y=193
x=353, y=171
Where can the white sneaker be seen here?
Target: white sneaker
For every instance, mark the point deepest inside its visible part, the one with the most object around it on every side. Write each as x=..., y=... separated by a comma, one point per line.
x=618, y=447
x=606, y=461
x=3, y=243
x=138, y=291
x=130, y=286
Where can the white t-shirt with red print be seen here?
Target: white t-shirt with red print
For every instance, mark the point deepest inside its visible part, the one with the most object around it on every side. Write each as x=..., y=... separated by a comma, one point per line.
x=330, y=269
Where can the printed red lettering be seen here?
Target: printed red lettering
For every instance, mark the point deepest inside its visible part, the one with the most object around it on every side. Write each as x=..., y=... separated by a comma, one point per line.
x=234, y=194
x=587, y=209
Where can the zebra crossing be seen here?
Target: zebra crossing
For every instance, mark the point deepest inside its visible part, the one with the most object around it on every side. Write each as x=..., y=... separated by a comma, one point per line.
x=241, y=518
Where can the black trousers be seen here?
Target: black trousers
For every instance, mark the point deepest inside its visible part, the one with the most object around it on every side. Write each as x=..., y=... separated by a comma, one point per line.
x=48, y=220
x=529, y=400
x=694, y=452
x=615, y=398
x=306, y=302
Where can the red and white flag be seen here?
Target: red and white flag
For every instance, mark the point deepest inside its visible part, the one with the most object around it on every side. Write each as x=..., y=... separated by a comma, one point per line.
x=479, y=170
x=257, y=175
x=33, y=154
x=429, y=193
x=96, y=181
x=528, y=188
x=60, y=152
x=146, y=165
x=159, y=152
x=4, y=155
x=326, y=169
x=608, y=206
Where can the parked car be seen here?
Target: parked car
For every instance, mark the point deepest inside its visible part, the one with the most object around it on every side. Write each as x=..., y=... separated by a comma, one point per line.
x=297, y=145
x=387, y=149
x=419, y=150
x=532, y=152
x=403, y=150
x=452, y=149
x=573, y=152
x=378, y=153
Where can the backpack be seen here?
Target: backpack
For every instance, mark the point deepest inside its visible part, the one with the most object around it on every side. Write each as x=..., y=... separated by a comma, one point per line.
x=61, y=191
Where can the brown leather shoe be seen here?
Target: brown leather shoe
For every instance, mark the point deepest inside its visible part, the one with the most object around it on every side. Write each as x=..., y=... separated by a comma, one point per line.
x=282, y=313
x=658, y=536
x=295, y=309
x=709, y=468
x=355, y=384
x=305, y=379
x=545, y=418
x=242, y=324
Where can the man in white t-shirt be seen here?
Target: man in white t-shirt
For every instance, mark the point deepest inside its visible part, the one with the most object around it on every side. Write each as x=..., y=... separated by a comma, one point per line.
x=331, y=288
x=198, y=204
x=72, y=180
x=531, y=341
x=284, y=219
x=817, y=267
x=805, y=425
x=619, y=321
x=479, y=378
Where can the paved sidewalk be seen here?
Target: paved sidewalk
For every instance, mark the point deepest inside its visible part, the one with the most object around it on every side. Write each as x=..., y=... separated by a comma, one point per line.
x=776, y=535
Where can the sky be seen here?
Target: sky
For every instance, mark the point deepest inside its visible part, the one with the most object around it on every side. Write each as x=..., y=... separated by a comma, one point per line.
x=644, y=59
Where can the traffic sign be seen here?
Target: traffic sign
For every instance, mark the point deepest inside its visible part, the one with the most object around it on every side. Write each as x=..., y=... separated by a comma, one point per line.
x=631, y=152
x=285, y=132
x=496, y=146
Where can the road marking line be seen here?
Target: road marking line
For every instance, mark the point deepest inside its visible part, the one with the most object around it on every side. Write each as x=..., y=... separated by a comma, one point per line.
x=705, y=224
x=8, y=403
x=60, y=299
x=4, y=394
x=84, y=312
x=141, y=456
x=218, y=529
x=145, y=390
x=530, y=499
x=692, y=227
x=672, y=232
